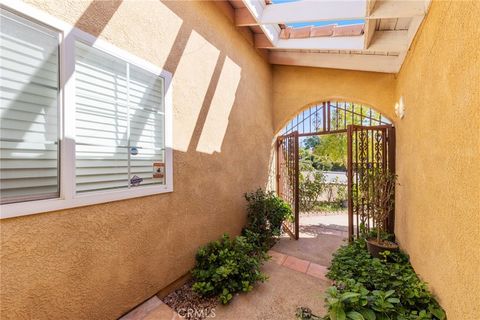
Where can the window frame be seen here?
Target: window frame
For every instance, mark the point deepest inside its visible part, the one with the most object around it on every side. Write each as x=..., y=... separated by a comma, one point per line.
x=67, y=181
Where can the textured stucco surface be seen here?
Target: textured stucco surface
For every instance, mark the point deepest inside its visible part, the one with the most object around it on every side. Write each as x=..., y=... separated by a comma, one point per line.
x=438, y=156
x=297, y=88
x=100, y=261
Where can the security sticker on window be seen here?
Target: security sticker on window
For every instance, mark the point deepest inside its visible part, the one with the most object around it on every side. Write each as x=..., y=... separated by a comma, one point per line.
x=135, y=181
x=158, y=170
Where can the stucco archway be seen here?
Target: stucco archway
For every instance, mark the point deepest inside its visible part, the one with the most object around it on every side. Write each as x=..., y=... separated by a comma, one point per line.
x=323, y=112
x=295, y=89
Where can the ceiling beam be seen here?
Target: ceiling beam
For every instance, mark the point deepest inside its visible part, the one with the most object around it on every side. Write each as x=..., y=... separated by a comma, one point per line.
x=384, y=41
x=388, y=9
x=326, y=10
x=375, y=63
x=256, y=8
x=262, y=42
x=370, y=24
x=412, y=31
x=370, y=6
x=369, y=32
x=321, y=43
x=243, y=18
x=310, y=11
x=393, y=41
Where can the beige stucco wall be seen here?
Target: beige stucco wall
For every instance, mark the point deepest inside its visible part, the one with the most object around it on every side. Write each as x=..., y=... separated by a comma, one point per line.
x=296, y=88
x=438, y=156
x=98, y=262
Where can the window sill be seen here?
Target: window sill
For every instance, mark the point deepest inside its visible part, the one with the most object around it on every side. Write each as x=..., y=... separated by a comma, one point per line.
x=40, y=206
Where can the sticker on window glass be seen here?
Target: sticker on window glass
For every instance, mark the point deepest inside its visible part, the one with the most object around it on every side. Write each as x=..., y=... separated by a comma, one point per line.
x=135, y=181
x=158, y=170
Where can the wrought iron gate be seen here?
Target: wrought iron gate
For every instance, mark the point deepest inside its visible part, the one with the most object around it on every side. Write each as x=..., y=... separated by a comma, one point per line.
x=371, y=146
x=370, y=149
x=288, y=178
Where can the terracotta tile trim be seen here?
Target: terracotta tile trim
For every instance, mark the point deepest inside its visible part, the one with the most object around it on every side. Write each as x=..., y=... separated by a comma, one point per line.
x=299, y=265
x=332, y=30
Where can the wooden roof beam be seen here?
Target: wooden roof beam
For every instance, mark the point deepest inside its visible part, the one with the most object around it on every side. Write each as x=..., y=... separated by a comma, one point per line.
x=256, y=9
x=385, y=41
x=370, y=24
x=327, y=10
x=243, y=18
x=375, y=63
x=388, y=9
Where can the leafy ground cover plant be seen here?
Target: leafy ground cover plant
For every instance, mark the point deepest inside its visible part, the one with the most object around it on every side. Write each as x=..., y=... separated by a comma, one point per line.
x=377, y=289
x=227, y=266
x=266, y=212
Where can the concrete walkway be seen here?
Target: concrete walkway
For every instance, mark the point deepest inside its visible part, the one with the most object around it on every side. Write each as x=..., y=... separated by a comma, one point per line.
x=292, y=283
x=296, y=274
x=296, y=278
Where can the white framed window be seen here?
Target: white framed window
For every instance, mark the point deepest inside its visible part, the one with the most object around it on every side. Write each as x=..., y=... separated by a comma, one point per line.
x=29, y=110
x=82, y=122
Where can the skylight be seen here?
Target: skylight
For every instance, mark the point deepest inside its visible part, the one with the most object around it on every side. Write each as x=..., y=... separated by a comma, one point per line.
x=325, y=23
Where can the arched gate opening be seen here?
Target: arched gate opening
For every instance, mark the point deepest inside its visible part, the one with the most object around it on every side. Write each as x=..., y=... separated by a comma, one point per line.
x=368, y=138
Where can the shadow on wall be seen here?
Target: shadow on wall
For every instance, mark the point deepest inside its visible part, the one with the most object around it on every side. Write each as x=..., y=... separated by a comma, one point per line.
x=125, y=248
x=203, y=106
x=92, y=22
x=207, y=81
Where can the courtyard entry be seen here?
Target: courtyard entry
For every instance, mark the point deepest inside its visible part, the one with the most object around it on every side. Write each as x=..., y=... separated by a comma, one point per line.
x=326, y=156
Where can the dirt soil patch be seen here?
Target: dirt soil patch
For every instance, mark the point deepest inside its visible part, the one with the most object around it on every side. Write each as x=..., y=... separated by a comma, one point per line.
x=189, y=304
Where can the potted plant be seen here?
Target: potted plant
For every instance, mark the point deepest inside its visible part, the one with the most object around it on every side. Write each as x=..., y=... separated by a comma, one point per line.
x=380, y=195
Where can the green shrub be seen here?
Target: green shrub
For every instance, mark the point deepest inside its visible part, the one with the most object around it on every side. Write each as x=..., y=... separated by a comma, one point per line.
x=370, y=288
x=266, y=212
x=311, y=186
x=227, y=266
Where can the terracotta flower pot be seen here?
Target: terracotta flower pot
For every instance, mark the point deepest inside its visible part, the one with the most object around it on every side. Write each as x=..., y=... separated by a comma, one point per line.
x=376, y=248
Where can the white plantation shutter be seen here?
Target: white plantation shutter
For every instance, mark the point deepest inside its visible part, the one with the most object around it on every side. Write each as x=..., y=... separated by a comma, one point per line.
x=119, y=122
x=29, y=125
x=147, y=123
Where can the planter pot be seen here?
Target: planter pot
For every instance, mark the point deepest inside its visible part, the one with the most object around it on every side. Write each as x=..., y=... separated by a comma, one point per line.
x=376, y=248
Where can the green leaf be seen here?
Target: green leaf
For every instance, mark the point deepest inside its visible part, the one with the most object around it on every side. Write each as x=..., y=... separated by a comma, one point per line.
x=337, y=313
x=368, y=314
x=393, y=300
x=349, y=295
x=389, y=293
x=354, y=315
x=439, y=313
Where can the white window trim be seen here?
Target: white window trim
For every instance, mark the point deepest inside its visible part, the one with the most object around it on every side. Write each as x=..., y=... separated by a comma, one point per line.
x=68, y=198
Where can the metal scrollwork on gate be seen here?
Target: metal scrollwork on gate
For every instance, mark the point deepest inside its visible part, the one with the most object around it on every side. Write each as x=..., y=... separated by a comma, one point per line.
x=370, y=151
x=287, y=178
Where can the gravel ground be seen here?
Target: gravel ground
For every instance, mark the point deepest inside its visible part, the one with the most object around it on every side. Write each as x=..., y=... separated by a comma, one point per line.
x=189, y=304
